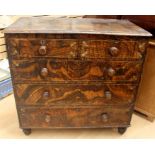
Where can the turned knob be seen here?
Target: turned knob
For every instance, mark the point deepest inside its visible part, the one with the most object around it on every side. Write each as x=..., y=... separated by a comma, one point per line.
x=47, y=118
x=108, y=95
x=111, y=72
x=46, y=94
x=104, y=117
x=44, y=72
x=42, y=50
x=113, y=51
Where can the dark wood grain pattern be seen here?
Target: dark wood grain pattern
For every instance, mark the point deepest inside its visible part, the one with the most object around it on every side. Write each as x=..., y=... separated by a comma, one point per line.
x=97, y=117
x=94, y=94
x=75, y=73
x=28, y=48
x=78, y=26
x=75, y=70
x=75, y=48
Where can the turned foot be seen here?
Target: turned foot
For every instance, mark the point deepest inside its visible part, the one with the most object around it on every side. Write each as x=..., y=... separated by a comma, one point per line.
x=121, y=130
x=27, y=131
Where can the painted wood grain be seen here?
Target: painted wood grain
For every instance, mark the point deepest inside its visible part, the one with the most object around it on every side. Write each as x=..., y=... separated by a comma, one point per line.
x=98, y=117
x=75, y=48
x=76, y=25
x=87, y=94
x=51, y=70
x=75, y=72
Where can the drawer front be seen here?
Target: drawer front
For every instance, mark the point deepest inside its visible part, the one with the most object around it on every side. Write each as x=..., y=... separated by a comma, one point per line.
x=69, y=94
x=112, y=49
x=60, y=71
x=72, y=48
x=98, y=117
x=28, y=48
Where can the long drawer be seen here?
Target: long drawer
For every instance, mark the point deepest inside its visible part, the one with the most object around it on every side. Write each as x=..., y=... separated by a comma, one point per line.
x=51, y=70
x=72, y=48
x=69, y=94
x=84, y=117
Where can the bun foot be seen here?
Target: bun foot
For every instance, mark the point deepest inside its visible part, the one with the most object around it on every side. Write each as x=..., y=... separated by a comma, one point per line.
x=27, y=131
x=122, y=130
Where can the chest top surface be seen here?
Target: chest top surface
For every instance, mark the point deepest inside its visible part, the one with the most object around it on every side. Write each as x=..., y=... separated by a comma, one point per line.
x=76, y=26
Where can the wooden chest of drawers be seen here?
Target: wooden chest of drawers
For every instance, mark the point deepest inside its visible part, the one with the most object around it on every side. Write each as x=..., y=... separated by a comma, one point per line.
x=75, y=73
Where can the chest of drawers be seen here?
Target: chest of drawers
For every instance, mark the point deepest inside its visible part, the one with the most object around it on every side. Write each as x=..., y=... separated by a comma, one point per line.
x=75, y=73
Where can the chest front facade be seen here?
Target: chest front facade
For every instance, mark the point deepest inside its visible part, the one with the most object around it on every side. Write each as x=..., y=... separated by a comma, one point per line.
x=75, y=80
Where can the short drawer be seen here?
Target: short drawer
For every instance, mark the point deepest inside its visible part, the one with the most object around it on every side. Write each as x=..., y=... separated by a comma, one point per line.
x=84, y=117
x=112, y=49
x=28, y=48
x=73, y=48
x=75, y=70
x=77, y=94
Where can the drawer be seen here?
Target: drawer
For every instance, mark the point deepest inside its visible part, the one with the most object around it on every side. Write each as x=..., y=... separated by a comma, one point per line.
x=28, y=48
x=75, y=70
x=73, y=48
x=69, y=94
x=84, y=117
x=112, y=49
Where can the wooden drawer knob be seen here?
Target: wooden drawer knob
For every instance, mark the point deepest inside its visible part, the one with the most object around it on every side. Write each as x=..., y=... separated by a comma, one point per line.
x=46, y=94
x=108, y=95
x=44, y=72
x=104, y=117
x=111, y=72
x=113, y=51
x=42, y=50
x=47, y=118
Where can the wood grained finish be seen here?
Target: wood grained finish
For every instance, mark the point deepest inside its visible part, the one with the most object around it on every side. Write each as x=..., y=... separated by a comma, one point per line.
x=75, y=70
x=75, y=48
x=69, y=94
x=75, y=73
x=76, y=26
x=87, y=117
x=28, y=48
